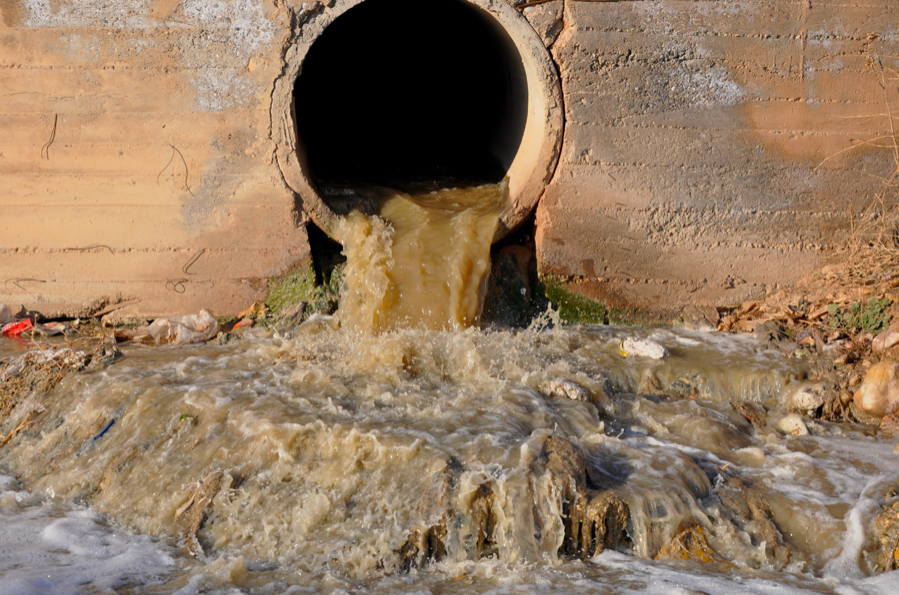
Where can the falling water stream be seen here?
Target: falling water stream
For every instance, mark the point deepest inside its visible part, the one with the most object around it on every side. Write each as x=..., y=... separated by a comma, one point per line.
x=373, y=453
x=422, y=261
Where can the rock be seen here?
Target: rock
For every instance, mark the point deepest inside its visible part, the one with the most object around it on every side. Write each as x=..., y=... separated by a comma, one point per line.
x=435, y=511
x=483, y=518
x=594, y=519
x=881, y=342
x=878, y=396
x=642, y=347
x=807, y=340
x=804, y=396
x=318, y=323
x=770, y=331
x=700, y=318
x=604, y=516
x=889, y=425
x=838, y=345
x=649, y=383
x=887, y=529
x=750, y=510
x=862, y=417
x=690, y=543
x=792, y=424
x=567, y=464
x=5, y=314
x=196, y=509
x=845, y=398
x=561, y=388
x=755, y=414
x=837, y=334
x=292, y=315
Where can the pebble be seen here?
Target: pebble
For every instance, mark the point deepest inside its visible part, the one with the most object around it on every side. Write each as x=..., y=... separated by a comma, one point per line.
x=792, y=424
x=878, y=395
x=885, y=340
x=804, y=396
x=889, y=425
x=703, y=318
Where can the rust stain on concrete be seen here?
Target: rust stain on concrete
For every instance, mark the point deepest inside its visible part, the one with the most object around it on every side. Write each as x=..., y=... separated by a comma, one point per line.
x=11, y=12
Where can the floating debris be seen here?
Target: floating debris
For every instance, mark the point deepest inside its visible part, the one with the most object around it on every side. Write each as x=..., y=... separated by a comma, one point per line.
x=642, y=347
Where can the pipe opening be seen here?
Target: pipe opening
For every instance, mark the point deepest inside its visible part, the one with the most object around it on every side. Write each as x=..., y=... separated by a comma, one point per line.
x=404, y=90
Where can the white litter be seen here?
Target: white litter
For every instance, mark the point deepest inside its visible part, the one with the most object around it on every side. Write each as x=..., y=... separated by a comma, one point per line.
x=643, y=347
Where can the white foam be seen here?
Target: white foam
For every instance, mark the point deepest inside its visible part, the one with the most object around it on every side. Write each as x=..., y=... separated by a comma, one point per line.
x=46, y=550
x=662, y=579
x=884, y=584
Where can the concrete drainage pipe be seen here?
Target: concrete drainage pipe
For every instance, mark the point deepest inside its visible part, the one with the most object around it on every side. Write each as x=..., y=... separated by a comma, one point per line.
x=378, y=90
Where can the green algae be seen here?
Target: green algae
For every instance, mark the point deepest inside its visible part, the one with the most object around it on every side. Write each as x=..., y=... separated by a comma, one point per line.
x=300, y=286
x=573, y=308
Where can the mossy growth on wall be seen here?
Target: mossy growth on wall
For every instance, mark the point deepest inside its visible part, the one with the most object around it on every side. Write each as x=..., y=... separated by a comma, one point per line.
x=573, y=308
x=299, y=286
x=506, y=303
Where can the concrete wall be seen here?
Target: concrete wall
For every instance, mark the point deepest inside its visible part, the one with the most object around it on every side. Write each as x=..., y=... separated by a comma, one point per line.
x=693, y=130
x=162, y=152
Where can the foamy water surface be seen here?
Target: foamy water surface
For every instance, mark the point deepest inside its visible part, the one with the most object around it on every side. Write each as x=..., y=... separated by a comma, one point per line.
x=331, y=444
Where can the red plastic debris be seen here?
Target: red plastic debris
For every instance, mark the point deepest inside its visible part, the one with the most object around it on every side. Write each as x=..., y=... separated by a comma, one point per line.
x=248, y=322
x=16, y=328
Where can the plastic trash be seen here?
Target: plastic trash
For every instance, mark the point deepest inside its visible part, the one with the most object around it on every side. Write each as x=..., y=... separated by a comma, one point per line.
x=643, y=347
x=176, y=330
x=16, y=328
x=243, y=323
x=181, y=330
x=53, y=328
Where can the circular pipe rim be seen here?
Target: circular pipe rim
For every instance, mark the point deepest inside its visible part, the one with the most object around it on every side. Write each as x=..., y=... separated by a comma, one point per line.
x=538, y=152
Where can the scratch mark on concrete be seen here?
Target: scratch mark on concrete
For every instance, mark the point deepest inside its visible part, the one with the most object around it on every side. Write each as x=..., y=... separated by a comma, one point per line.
x=45, y=150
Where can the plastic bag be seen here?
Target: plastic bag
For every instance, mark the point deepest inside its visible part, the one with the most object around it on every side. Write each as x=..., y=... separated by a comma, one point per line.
x=181, y=330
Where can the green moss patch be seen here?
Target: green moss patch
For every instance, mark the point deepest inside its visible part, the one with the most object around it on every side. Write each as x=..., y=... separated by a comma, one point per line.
x=573, y=308
x=290, y=289
x=299, y=286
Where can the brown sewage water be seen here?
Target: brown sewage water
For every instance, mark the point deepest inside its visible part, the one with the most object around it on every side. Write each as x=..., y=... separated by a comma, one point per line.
x=422, y=261
x=375, y=455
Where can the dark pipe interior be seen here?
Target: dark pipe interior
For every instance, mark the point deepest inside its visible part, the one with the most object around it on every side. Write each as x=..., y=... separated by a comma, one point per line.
x=403, y=90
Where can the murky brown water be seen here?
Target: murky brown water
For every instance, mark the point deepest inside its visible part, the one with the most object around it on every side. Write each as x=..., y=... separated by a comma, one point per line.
x=422, y=261
x=446, y=458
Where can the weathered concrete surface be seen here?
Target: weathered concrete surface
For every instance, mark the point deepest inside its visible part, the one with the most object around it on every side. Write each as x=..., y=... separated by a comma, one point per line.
x=160, y=183
x=688, y=172
x=693, y=133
